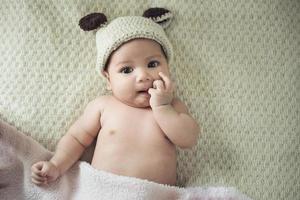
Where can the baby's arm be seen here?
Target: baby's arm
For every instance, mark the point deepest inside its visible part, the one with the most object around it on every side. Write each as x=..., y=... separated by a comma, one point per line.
x=175, y=121
x=172, y=115
x=71, y=146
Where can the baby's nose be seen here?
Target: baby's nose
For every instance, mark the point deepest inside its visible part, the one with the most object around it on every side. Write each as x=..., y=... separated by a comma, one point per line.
x=143, y=76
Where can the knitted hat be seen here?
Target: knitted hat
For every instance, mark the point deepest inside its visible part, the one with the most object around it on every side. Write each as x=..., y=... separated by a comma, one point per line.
x=122, y=29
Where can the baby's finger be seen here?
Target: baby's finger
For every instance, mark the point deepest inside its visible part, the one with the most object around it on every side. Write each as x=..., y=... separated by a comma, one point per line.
x=36, y=170
x=151, y=91
x=166, y=80
x=39, y=183
x=47, y=168
x=38, y=165
x=158, y=84
x=38, y=178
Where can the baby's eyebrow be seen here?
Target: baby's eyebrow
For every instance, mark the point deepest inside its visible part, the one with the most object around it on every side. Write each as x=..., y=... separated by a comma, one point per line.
x=147, y=58
x=123, y=62
x=154, y=56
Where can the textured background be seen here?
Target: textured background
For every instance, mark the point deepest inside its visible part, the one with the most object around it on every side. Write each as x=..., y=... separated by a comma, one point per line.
x=237, y=67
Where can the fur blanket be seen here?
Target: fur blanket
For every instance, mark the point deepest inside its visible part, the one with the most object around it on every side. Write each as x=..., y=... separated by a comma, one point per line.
x=18, y=152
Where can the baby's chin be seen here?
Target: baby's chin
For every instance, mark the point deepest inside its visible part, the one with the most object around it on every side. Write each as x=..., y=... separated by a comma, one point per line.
x=138, y=104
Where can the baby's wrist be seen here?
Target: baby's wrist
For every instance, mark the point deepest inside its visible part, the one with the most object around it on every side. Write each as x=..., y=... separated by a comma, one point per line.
x=55, y=165
x=162, y=107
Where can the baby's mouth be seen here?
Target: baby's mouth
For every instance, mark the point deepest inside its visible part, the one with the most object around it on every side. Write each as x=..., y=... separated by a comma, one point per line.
x=143, y=92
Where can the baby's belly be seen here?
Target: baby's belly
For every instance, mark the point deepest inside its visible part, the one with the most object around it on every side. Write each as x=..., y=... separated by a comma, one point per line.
x=141, y=160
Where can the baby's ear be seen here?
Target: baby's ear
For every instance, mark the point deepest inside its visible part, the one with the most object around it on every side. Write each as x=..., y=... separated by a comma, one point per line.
x=104, y=73
x=92, y=21
x=161, y=16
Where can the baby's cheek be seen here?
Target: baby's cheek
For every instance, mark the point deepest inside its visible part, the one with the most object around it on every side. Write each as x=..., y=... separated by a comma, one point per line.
x=165, y=70
x=162, y=69
x=155, y=75
x=156, y=78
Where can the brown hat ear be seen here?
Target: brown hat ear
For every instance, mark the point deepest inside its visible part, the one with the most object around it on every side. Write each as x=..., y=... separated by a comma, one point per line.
x=161, y=16
x=92, y=21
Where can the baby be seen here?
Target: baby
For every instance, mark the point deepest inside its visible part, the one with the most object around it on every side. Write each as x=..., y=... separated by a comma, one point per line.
x=139, y=125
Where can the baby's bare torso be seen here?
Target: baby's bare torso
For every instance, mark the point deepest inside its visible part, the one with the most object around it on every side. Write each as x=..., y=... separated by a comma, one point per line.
x=130, y=143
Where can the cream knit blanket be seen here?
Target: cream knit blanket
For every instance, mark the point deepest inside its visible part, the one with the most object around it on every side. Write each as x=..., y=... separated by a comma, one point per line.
x=236, y=66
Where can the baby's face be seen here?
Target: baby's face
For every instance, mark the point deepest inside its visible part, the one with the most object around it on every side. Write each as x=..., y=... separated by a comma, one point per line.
x=132, y=70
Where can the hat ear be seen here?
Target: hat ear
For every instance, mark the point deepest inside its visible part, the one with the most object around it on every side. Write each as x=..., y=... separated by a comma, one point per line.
x=92, y=21
x=161, y=16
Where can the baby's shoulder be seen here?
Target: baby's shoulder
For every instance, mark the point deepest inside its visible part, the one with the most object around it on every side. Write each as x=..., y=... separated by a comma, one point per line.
x=99, y=103
x=103, y=99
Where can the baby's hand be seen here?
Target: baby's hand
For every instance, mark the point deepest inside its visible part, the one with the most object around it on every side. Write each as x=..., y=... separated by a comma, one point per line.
x=44, y=172
x=162, y=91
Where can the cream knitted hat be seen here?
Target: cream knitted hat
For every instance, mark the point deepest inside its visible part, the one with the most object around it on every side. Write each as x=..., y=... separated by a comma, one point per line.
x=122, y=29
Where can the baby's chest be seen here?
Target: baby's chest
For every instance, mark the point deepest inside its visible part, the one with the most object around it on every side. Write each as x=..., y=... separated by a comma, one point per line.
x=131, y=123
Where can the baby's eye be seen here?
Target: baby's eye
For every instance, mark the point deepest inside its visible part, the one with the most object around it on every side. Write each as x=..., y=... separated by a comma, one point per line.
x=153, y=64
x=126, y=70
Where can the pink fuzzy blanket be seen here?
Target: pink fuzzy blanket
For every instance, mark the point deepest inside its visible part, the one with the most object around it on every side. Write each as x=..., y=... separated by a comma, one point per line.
x=18, y=152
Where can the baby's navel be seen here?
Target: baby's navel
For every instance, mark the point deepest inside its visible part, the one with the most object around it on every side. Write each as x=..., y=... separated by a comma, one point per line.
x=111, y=132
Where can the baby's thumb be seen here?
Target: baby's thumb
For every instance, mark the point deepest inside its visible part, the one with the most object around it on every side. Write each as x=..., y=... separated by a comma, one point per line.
x=45, y=170
x=151, y=90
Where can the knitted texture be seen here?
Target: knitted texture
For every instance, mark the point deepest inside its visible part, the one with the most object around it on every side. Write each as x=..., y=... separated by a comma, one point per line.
x=123, y=29
x=236, y=65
